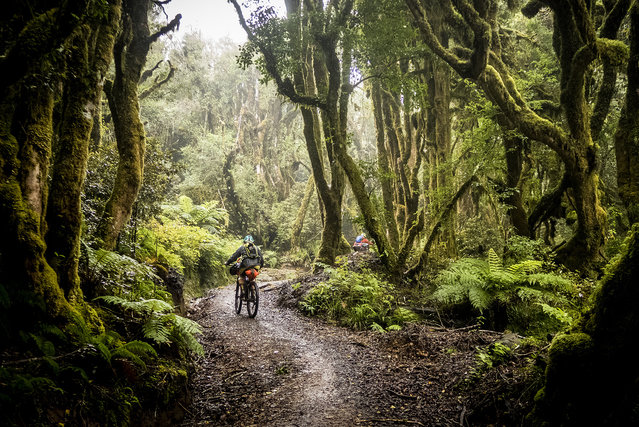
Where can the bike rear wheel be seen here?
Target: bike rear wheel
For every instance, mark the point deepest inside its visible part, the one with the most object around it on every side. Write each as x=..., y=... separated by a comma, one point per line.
x=252, y=298
x=238, y=298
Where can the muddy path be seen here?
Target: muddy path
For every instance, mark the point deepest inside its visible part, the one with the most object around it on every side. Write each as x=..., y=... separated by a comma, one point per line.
x=284, y=369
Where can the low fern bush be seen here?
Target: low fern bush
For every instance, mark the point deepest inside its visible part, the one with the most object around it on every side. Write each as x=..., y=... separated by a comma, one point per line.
x=522, y=297
x=110, y=273
x=358, y=299
x=158, y=323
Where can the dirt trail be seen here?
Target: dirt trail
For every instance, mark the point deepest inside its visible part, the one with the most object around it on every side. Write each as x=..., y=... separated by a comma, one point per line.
x=283, y=369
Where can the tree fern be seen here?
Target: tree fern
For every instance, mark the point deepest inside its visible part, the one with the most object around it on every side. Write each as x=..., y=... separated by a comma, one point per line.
x=486, y=285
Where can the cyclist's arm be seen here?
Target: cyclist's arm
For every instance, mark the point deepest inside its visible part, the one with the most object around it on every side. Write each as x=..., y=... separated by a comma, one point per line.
x=235, y=256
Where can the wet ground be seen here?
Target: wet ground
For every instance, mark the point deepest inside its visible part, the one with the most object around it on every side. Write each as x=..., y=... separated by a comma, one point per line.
x=284, y=369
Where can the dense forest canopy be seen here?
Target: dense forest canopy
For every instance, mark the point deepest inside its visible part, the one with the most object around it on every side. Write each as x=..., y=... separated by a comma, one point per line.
x=489, y=149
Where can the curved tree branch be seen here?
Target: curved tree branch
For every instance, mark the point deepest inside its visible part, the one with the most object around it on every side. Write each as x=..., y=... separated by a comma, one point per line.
x=284, y=85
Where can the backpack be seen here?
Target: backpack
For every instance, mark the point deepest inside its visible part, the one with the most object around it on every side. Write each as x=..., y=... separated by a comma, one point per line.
x=251, y=256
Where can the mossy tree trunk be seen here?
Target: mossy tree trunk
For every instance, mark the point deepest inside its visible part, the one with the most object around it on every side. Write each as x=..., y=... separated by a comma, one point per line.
x=309, y=79
x=330, y=71
x=90, y=53
x=517, y=213
x=627, y=133
x=383, y=165
x=577, y=47
x=438, y=135
x=27, y=130
x=296, y=228
x=131, y=49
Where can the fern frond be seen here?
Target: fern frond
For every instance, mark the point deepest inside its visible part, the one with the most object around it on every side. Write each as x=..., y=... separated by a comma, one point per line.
x=556, y=313
x=145, y=306
x=494, y=261
x=109, y=338
x=102, y=350
x=187, y=341
x=187, y=326
x=525, y=267
x=500, y=279
x=550, y=281
x=140, y=348
x=124, y=353
x=454, y=293
x=377, y=327
x=156, y=330
x=479, y=298
x=527, y=294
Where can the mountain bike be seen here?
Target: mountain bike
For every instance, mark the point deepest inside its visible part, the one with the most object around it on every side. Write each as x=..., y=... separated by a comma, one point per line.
x=248, y=293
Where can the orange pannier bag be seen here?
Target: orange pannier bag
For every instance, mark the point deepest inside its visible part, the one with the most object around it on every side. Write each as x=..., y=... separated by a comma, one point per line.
x=251, y=273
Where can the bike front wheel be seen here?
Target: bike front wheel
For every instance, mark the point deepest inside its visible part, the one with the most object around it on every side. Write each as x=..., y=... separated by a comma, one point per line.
x=252, y=299
x=238, y=298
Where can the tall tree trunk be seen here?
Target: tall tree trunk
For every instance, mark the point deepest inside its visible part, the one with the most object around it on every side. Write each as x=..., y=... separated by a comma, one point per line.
x=383, y=166
x=627, y=133
x=438, y=131
x=26, y=131
x=310, y=79
x=296, y=228
x=130, y=54
x=516, y=211
x=91, y=52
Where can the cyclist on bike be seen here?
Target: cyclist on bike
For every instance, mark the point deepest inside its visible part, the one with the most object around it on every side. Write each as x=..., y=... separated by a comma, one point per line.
x=247, y=256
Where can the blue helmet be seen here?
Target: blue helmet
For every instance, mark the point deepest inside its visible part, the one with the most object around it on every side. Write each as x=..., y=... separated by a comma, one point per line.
x=249, y=239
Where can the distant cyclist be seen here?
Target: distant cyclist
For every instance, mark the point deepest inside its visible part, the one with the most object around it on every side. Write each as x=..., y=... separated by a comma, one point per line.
x=248, y=256
x=361, y=243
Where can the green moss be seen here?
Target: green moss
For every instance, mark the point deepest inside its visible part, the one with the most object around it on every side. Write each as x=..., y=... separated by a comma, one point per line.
x=568, y=382
x=592, y=375
x=616, y=51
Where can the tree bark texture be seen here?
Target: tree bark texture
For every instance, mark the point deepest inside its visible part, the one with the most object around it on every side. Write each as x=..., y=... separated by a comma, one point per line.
x=90, y=53
x=383, y=166
x=131, y=49
x=29, y=207
x=627, y=134
x=516, y=212
x=296, y=228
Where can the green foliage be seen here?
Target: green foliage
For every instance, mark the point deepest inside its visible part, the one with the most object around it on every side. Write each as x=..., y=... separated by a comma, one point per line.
x=521, y=296
x=159, y=324
x=110, y=273
x=491, y=356
x=271, y=259
x=357, y=299
x=189, y=238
